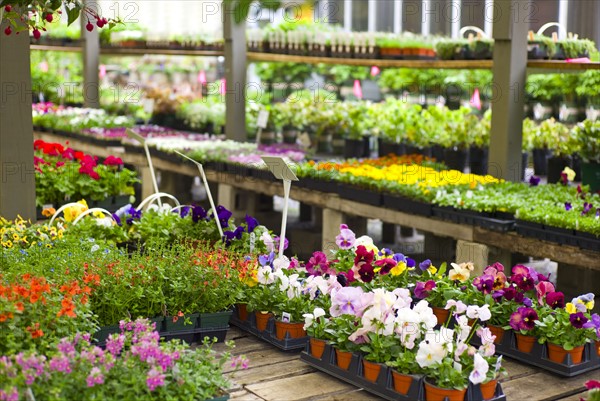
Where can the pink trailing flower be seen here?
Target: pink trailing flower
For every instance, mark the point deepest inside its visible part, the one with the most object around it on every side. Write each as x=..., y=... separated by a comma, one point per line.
x=95, y=377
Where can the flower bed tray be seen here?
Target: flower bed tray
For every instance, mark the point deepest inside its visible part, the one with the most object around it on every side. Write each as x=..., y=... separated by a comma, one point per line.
x=287, y=344
x=553, y=234
x=404, y=204
x=384, y=386
x=539, y=357
x=358, y=194
x=485, y=220
x=587, y=241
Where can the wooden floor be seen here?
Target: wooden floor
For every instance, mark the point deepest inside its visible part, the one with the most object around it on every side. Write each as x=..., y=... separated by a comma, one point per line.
x=282, y=376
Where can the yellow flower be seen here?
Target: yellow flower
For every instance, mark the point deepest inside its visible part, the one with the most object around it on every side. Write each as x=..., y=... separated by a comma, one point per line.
x=432, y=269
x=570, y=308
x=398, y=269
x=16, y=237
x=590, y=305
x=98, y=214
x=72, y=212
x=8, y=244
x=460, y=272
x=570, y=173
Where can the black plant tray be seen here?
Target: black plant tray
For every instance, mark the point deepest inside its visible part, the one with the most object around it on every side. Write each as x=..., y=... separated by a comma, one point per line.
x=587, y=241
x=287, y=344
x=195, y=335
x=555, y=234
x=317, y=185
x=539, y=356
x=262, y=174
x=384, y=386
x=485, y=220
x=404, y=204
x=529, y=229
x=362, y=195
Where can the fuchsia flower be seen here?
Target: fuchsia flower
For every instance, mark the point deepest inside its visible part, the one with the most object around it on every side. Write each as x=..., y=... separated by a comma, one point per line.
x=155, y=379
x=497, y=272
x=113, y=161
x=422, y=289
x=363, y=256
x=521, y=276
x=542, y=288
x=386, y=265
x=484, y=283
x=592, y=384
x=366, y=272
x=555, y=299
x=318, y=264
x=523, y=319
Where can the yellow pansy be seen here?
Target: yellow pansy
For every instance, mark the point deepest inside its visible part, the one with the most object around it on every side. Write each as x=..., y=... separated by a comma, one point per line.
x=398, y=269
x=570, y=308
x=432, y=269
x=570, y=173
x=72, y=212
x=590, y=305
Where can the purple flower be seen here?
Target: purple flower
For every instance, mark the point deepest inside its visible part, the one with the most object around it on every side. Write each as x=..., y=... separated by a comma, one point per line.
x=184, y=211
x=155, y=379
x=224, y=215
x=523, y=281
x=95, y=377
x=586, y=208
x=252, y=223
x=527, y=302
x=366, y=272
x=349, y=301
x=231, y=235
x=555, y=299
x=265, y=260
x=276, y=243
x=578, y=320
x=484, y=283
x=424, y=265
x=117, y=219
x=398, y=257
x=386, y=265
x=422, y=289
x=568, y=206
x=346, y=237
x=534, y=181
x=497, y=295
x=198, y=213
x=523, y=319
x=60, y=364
x=593, y=323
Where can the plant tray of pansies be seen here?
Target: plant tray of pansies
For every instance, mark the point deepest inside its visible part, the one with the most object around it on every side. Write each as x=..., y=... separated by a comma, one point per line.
x=533, y=323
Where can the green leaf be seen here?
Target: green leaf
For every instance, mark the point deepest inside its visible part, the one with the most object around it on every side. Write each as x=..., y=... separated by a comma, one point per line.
x=73, y=14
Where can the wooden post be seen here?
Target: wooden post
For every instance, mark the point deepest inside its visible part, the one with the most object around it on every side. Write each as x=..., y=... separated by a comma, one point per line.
x=510, y=72
x=235, y=74
x=17, y=176
x=91, y=61
x=472, y=252
x=331, y=228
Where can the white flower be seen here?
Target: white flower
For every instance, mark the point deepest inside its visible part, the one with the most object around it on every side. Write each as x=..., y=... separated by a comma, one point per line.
x=485, y=335
x=482, y=313
x=430, y=353
x=426, y=315
x=319, y=312
x=461, y=272
x=403, y=298
x=104, y=222
x=268, y=241
x=462, y=328
x=459, y=305
x=265, y=275
x=480, y=369
x=95, y=248
x=308, y=320
x=281, y=263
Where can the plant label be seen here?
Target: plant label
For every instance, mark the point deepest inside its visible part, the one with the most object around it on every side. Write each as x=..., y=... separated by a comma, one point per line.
x=286, y=317
x=263, y=119
x=280, y=168
x=252, y=242
x=148, y=105
x=304, y=140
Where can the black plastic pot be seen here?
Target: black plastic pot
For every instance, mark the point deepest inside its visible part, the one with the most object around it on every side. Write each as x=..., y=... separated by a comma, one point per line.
x=290, y=136
x=437, y=152
x=404, y=204
x=540, y=161
x=415, y=150
x=387, y=148
x=556, y=165
x=591, y=175
x=478, y=160
x=455, y=159
x=356, y=148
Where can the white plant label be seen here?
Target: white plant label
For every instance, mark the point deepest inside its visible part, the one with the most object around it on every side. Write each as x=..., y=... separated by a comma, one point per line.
x=252, y=242
x=304, y=139
x=280, y=168
x=148, y=105
x=263, y=119
x=286, y=317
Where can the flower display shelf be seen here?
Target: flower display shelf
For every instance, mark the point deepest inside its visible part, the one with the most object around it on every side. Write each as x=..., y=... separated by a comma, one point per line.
x=287, y=344
x=404, y=204
x=357, y=194
x=539, y=357
x=484, y=220
x=558, y=235
x=318, y=185
x=384, y=386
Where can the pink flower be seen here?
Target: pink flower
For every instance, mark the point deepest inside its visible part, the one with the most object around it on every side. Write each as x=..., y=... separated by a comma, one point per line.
x=542, y=288
x=346, y=238
x=113, y=161
x=155, y=379
x=349, y=301
x=95, y=377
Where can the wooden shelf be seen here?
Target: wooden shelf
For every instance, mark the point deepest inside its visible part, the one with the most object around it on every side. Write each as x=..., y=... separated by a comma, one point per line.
x=167, y=52
x=561, y=65
x=449, y=64
x=72, y=49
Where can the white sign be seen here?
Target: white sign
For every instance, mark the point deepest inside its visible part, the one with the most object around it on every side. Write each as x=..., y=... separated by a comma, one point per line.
x=148, y=105
x=263, y=119
x=280, y=168
x=304, y=139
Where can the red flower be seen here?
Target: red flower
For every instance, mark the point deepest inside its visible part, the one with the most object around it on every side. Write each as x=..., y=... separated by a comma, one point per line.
x=113, y=161
x=362, y=255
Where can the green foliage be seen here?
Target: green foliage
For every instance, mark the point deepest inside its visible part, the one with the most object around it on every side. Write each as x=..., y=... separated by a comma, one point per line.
x=587, y=137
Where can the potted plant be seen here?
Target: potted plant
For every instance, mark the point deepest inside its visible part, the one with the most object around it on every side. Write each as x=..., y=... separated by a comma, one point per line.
x=564, y=331
x=479, y=140
x=316, y=325
x=540, y=47
x=562, y=144
x=588, y=88
x=289, y=305
x=587, y=135
x=358, y=125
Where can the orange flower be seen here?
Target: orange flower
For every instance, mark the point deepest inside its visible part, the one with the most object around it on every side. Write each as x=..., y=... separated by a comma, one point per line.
x=68, y=308
x=35, y=331
x=20, y=306
x=48, y=212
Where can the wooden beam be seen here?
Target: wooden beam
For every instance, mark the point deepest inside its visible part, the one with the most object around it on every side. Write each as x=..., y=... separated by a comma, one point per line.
x=17, y=176
x=91, y=62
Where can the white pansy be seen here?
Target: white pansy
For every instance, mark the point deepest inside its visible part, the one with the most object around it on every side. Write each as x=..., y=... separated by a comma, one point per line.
x=430, y=353
x=480, y=369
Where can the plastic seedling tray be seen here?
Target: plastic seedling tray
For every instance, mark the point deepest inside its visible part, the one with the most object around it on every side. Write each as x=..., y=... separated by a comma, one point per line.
x=268, y=335
x=539, y=357
x=189, y=336
x=383, y=387
x=404, y=204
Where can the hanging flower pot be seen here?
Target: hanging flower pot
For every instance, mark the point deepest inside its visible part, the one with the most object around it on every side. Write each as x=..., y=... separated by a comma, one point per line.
x=295, y=330
x=242, y=311
x=434, y=393
x=488, y=390
x=317, y=347
x=262, y=318
x=525, y=343
x=402, y=382
x=498, y=332
x=371, y=370
x=557, y=353
x=441, y=314
x=343, y=359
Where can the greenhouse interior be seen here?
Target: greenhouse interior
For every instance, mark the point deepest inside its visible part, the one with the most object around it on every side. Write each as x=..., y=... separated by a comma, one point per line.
x=272, y=200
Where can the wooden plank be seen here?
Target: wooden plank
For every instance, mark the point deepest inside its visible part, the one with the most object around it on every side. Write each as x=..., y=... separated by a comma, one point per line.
x=450, y=64
x=545, y=386
x=243, y=395
x=515, y=370
x=301, y=387
x=574, y=397
x=561, y=65
x=534, y=247
x=280, y=370
x=167, y=52
x=355, y=395
x=266, y=356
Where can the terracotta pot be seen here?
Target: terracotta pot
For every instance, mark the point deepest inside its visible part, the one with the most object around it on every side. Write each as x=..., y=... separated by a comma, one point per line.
x=488, y=390
x=498, y=332
x=343, y=359
x=317, y=347
x=598, y=347
x=433, y=393
x=295, y=330
x=525, y=343
x=371, y=370
x=557, y=353
x=262, y=318
x=441, y=314
x=242, y=311
x=402, y=382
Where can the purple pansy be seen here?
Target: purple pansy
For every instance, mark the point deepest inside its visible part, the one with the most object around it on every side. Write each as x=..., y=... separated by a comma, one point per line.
x=251, y=222
x=484, y=283
x=346, y=238
x=578, y=320
x=534, y=181
x=424, y=265
x=568, y=206
x=422, y=289
x=523, y=319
